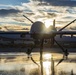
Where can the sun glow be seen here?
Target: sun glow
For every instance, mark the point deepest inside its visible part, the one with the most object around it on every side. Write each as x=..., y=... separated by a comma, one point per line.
x=48, y=23
x=47, y=56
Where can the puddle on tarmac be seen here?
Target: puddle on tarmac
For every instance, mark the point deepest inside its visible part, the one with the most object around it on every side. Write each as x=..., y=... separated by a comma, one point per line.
x=12, y=64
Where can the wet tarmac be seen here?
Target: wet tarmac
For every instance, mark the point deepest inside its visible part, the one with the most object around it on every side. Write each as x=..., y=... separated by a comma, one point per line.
x=18, y=63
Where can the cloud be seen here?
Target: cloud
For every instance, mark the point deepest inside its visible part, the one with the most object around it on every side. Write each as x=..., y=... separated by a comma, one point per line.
x=72, y=11
x=60, y=2
x=7, y=12
x=62, y=14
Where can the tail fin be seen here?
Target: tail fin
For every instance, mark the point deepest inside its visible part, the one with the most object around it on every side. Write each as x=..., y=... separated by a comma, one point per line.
x=54, y=23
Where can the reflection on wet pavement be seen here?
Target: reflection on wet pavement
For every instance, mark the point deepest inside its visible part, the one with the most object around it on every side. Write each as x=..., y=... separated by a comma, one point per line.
x=19, y=64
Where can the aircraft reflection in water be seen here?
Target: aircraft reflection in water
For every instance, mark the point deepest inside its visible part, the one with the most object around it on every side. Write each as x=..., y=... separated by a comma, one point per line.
x=39, y=33
x=18, y=64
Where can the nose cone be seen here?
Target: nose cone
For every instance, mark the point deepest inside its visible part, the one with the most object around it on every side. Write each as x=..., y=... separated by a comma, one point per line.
x=37, y=27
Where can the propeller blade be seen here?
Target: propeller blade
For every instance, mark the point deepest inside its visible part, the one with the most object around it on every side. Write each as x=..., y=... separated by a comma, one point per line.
x=28, y=19
x=60, y=61
x=67, y=25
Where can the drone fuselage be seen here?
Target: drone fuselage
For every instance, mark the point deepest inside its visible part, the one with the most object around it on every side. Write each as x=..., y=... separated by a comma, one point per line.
x=39, y=31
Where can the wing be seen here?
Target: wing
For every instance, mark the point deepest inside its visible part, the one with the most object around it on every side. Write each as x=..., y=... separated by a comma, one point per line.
x=13, y=35
x=61, y=33
x=19, y=35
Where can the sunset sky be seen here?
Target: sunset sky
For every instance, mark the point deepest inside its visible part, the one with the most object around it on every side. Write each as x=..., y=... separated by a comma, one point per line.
x=11, y=11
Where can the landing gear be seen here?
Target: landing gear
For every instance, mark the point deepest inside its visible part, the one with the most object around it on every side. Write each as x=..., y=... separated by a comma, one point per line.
x=65, y=52
x=52, y=42
x=28, y=52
